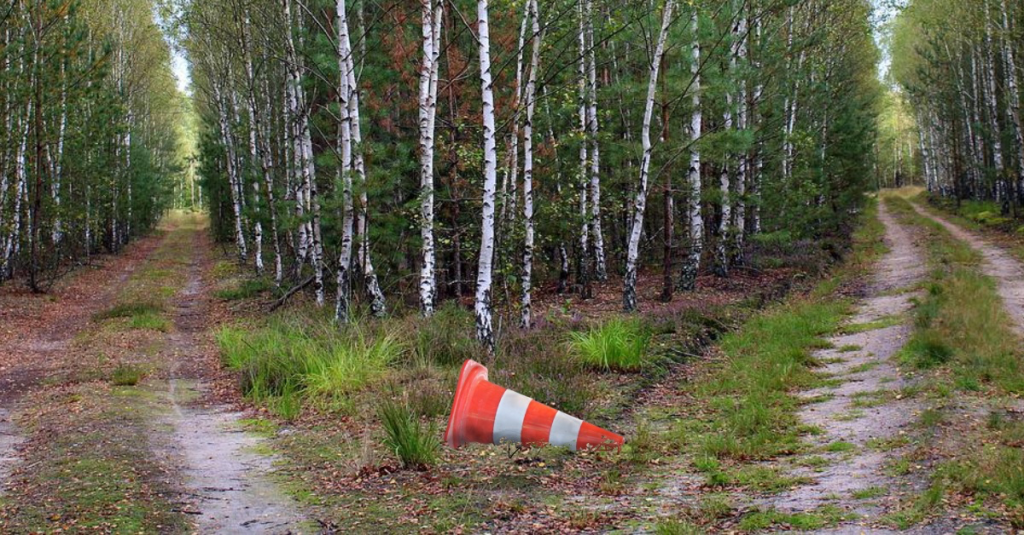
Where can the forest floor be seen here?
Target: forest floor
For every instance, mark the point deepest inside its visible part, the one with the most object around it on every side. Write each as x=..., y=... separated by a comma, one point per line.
x=882, y=397
x=113, y=421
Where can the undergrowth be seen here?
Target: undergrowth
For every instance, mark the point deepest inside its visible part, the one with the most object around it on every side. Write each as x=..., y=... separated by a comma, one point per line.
x=617, y=344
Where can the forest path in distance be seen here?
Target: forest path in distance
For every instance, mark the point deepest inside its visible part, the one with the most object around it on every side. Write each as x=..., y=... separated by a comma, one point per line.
x=115, y=379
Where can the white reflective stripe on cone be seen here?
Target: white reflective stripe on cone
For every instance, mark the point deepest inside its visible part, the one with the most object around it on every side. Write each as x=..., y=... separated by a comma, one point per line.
x=565, y=430
x=508, y=421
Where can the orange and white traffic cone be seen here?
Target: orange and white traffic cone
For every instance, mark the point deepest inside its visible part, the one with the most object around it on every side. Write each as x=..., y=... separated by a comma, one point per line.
x=486, y=413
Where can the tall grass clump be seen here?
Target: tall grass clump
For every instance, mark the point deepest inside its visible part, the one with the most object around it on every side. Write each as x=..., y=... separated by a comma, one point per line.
x=286, y=362
x=446, y=338
x=618, y=344
x=415, y=444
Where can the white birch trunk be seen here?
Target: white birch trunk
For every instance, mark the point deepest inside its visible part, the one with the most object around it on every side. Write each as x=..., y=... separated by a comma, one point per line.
x=293, y=112
x=990, y=98
x=431, y=25
x=640, y=203
x=58, y=165
x=377, y=303
x=229, y=147
x=1013, y=94
x=725, y=193
x=344, y=148
x=257, y=156
x=691, y=265
x=593, y=128
x=528, y=242
x=583, y=267
x=482, y=307
x=740, y=210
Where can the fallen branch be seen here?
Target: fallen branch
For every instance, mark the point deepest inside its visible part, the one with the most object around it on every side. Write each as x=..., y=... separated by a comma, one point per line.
x=295, y=289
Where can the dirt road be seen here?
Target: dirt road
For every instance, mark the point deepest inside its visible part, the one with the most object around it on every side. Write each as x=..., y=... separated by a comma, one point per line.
x=109, y=381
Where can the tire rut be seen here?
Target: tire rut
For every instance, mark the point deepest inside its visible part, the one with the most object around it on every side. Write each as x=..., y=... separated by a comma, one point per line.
x=865, y=408
x=39, y=328
x=227, y=486
x=998, y=264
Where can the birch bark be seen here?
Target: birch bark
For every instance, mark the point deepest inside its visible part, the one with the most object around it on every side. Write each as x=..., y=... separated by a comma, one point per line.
x=691, y=265
x=640, y=203
x=484, y=279
x=344, y=149
x=531, y=91
x=431, y=24
x=593, y=128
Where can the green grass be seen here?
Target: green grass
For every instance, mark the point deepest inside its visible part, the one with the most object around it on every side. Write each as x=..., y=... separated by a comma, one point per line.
x=915, y=511
x=446, y=338
x=126, y=375
x=961, y=323
x=751, y=401
x=963, y=337
x=150, y=321
x=415, y=444
x=824, y=516
x=887, y=321
x=678, y=527
x=246, y=289
x=869, y=493
x=287, y=362
x=129, y=310
x=618, y=344
x=840, y=447
x=768, y=479
x=767, y=360
x=145, y=315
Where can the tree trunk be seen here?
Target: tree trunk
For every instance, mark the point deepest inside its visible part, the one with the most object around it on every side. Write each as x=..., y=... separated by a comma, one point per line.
x=431, y=23
x=482, y=307
x=593, y=128
x=583, y=184
x=691, y=265
x=640, y=203
x=344, y=150
x=528, y=242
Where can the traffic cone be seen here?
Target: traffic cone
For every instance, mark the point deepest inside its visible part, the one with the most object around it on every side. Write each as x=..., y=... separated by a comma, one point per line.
x=486, y=413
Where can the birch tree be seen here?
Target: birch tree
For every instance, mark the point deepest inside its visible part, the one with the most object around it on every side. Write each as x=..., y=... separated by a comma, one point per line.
x=485, y=270
x=433, y=14
x=531, y=93
x=636, y=228
x=691, y=264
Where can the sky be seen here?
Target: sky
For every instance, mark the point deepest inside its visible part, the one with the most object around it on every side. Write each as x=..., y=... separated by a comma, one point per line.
x=180, y=67
x=179, y=64
x=885, y=11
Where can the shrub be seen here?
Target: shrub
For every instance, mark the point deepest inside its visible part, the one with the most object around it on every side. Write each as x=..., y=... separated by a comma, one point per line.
x=619, y=344
x=536, y=364
x=415, y=444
